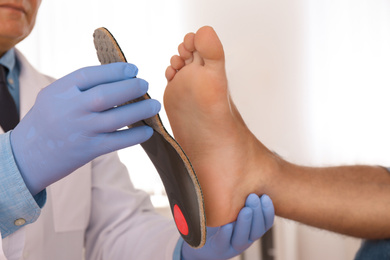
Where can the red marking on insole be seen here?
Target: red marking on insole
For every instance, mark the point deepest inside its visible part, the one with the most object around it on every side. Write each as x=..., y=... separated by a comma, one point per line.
x=180, y=220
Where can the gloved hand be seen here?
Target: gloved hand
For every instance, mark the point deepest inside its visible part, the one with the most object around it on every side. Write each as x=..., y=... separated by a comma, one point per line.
x=234, y=238
x=74, y=120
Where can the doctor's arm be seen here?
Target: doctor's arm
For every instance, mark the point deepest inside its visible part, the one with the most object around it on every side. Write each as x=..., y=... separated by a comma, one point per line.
x=18, y=206
x=72, y=121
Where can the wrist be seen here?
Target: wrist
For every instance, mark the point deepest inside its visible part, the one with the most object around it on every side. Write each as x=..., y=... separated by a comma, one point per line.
x=21, y=153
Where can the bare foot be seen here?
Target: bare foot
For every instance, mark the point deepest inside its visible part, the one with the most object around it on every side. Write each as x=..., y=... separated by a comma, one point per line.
x=209, y=128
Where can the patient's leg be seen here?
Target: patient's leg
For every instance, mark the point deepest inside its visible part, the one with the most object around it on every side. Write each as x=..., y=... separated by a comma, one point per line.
x=209, y=128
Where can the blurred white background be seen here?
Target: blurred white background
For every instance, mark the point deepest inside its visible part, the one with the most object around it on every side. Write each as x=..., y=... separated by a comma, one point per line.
x=311, y=79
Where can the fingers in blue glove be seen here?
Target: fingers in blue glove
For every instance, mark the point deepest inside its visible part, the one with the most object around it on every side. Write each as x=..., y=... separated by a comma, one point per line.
x=268, y=211
x=89, y=77
x=263, y=215
x=242, y=230
x=113, y=119
x=106, y=96
x=125, y=138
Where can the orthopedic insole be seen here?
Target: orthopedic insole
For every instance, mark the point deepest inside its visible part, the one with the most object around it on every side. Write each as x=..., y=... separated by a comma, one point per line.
x=175, y=169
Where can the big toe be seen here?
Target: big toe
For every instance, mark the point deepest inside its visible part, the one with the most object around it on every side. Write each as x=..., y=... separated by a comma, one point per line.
x=208, y=44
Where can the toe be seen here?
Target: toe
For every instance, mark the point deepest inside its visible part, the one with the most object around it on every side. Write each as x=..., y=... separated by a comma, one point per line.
x=170, y=73
x=208, y=44
x=177, y=63
x=189, y=42
x=184, y=53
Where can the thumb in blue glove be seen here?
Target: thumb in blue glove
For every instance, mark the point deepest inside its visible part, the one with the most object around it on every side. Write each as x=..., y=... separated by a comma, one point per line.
x=232, y=239
x=75, y=119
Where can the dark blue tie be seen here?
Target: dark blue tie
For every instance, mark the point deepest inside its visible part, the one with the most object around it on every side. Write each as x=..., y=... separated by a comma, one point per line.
x=9, y=116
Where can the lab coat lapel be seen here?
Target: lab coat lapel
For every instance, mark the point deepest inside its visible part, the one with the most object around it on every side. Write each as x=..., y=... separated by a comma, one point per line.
x=30, y=83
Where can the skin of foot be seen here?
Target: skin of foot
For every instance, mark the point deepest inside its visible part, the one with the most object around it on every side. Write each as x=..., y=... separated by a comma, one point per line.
x=208, y=126
x=231, y=163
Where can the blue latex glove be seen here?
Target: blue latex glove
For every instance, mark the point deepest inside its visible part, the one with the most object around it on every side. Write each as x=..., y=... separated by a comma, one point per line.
x=74, y=121
x=234, y=238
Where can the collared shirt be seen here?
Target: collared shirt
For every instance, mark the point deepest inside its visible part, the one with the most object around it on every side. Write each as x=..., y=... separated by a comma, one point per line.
x=9, y=61
x=18, y=206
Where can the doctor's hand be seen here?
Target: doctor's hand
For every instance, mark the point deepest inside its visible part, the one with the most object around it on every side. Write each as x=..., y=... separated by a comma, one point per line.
x=232, y=239
x=75, y=119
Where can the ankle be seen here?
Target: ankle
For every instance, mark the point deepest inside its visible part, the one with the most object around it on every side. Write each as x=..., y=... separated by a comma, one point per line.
x=268, y=168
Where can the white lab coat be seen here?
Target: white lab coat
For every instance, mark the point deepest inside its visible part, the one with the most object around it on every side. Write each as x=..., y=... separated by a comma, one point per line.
x=94, y=211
